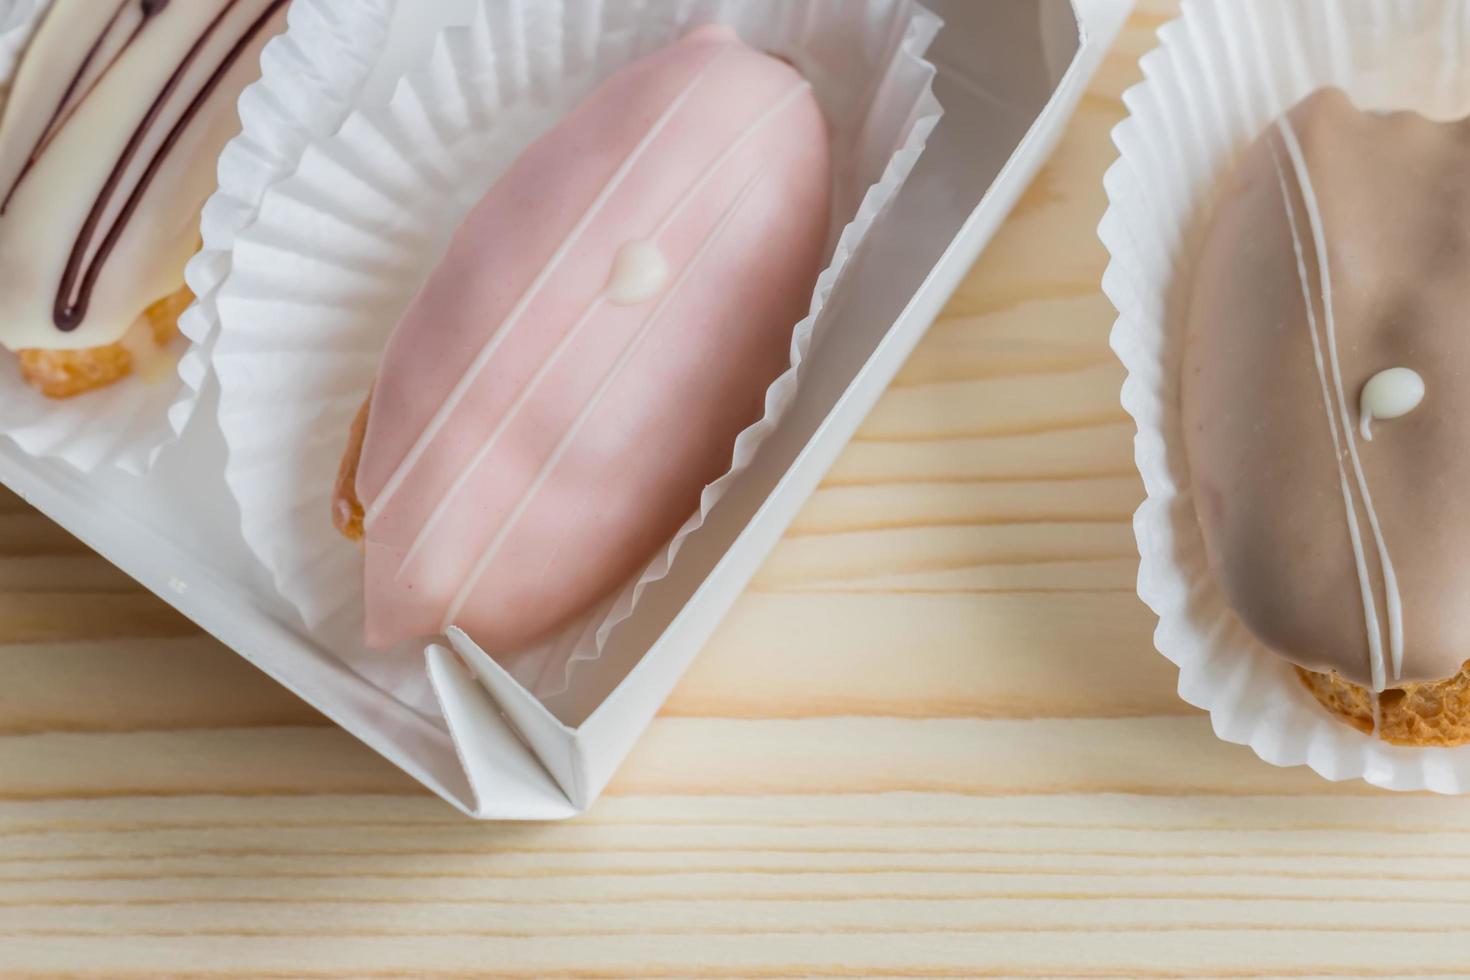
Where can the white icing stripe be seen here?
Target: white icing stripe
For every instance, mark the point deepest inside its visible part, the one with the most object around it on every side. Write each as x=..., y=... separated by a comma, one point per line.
x=441, y=417
x=547, y=468
x=1365, y=586
x=442, y=507
x=460, y=481
x=1319, y=237
x=781, y=105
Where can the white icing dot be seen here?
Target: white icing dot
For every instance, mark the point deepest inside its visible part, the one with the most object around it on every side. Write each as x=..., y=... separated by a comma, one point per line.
x=639, y=273
x=1389, y=395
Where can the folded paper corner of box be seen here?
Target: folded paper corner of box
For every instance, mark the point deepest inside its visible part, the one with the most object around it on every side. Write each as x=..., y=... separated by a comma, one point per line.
x=516, y=769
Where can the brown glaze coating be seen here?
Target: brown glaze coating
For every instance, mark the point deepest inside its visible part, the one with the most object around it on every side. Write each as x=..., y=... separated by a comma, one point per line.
x=1394, y=203
x=1436, y=713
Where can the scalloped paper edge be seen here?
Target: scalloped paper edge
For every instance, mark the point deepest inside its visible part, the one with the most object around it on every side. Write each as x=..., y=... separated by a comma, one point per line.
x=294, y=102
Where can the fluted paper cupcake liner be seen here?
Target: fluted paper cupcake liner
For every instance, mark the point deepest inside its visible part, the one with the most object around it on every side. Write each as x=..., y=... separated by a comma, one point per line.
x=339, y=248
x=129, y=423
x=1222, y=73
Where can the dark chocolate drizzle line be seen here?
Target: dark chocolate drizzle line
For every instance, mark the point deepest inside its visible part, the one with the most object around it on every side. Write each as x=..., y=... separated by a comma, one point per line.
x=74, y=296
x=54, y=123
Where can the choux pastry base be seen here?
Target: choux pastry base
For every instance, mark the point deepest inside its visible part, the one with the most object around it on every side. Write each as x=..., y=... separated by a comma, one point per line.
x=347, y=510
x=68, y=373
x=1434, y=713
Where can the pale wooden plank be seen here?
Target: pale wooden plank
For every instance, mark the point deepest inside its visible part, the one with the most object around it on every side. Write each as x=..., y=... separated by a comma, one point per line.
x=291, y=871
x=1041, y=655
x=1105, y=451
x=1084, y=398
x=1230, y=817
x=183, y=762
x=854, y=558
x=1037, y=336
x=824, y=755
x=79, y=574
x=11, y=503
x=864, y=754
x=1022, y=951
x=128, y=684
x=949, y=504
x=25, y=533
x=51, y=617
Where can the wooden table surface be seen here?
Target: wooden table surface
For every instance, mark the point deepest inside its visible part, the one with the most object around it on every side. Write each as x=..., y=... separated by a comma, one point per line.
x=934, y=738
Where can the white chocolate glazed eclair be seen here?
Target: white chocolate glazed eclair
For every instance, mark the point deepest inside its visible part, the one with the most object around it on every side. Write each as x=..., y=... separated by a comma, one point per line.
x=109, y=143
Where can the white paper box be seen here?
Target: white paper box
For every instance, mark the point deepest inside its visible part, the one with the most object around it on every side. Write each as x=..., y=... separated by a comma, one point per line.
x=1011, y=72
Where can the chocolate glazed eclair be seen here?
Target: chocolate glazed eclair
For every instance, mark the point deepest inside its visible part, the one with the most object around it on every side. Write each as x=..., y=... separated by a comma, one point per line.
x=109, y=142
x=1326, y=410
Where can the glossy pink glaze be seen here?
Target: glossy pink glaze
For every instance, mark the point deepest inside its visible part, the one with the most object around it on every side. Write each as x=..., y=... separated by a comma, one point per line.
x=531, y=443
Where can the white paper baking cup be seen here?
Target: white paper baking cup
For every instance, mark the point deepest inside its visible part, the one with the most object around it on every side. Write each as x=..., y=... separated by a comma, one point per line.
x=340, y=247
x=128, y=424
x=1224, y=71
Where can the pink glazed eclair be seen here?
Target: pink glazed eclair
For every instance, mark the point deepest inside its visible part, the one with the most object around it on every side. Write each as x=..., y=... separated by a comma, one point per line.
x=604, y=324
